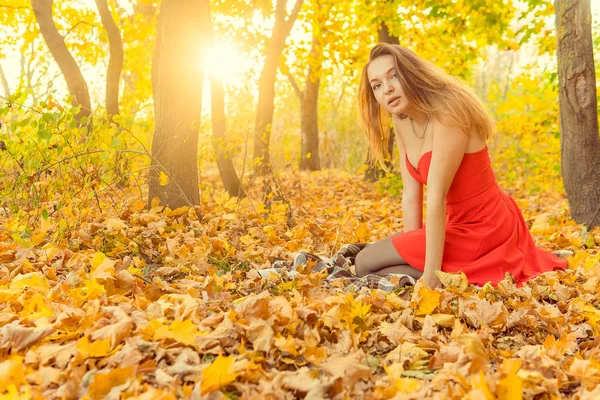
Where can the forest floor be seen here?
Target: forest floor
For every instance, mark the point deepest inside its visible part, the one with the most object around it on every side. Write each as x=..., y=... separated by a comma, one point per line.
x=161, y=304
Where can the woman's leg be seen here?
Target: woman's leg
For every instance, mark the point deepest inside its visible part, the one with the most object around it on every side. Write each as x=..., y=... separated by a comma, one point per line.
x=382, y=258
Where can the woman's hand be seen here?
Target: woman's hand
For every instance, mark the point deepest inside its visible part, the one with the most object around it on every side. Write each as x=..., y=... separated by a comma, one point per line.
x=431, y=280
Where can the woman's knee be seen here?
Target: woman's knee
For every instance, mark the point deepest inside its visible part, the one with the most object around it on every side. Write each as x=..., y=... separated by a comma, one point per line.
x=361, y=264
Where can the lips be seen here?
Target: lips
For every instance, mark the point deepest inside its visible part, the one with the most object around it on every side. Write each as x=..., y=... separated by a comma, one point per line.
x=393, y=100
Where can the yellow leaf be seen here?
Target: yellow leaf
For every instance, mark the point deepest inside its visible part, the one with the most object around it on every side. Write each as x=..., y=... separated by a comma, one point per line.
x=445, y=320
x=315, y=355
x=12, y=393
x=106, y=270
x=184, y=332
x=362, y=232
x=407, y=385
x=115, y=224
x=46, y=225
x=102, y=383
x=163, y=179
x=426, y=300
x=457, y=281
x=90, y=290
x=33, y=280
x=308, y=155
x=96, y=260
x=479, y=384
x=218, y=374
x=99, y=348
x=35, y=307
x=589, y=311
x=12, y=372
x=510, y=386
x=155, y=202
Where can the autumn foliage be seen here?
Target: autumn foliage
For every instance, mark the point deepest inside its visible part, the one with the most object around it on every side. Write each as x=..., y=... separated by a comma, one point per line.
x=107, y=294
x=166, y=303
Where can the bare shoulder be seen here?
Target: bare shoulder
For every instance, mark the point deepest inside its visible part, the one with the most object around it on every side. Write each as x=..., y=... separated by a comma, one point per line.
x=448, y=132
x=441, y=124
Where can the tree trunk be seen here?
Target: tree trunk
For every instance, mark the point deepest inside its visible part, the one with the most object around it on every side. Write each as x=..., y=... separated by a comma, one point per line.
x=373, y=171
x=580, y=143
x=55, y=42
x=266, y=85
x=4, y=82
x=383, y=34
x=184, y=27
x=309, y=155
x=115, y=64
x=224, y=160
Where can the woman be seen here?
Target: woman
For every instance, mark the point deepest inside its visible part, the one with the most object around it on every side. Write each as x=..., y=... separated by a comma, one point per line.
x=441, y=128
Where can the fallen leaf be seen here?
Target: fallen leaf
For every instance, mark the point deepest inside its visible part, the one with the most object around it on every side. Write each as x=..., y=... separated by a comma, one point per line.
x=218, y=374
x=425, y=300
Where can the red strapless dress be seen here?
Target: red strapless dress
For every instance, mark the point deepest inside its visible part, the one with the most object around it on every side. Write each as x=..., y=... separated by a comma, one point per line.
x=486, y=234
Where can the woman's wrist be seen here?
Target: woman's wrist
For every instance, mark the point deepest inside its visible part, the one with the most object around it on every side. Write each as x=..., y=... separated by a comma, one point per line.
x=430, y=271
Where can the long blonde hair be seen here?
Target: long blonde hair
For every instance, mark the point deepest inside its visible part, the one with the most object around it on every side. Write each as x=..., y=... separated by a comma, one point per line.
x=429, y=90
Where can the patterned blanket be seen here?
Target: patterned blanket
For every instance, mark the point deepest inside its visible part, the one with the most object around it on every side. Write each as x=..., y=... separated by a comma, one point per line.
x=339, y=267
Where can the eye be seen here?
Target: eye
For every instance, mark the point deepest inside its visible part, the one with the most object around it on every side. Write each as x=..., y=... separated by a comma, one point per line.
x=394, y=76
x=376, y=86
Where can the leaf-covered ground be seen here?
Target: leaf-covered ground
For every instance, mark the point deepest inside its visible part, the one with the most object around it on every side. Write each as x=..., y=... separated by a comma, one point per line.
x=161, y=304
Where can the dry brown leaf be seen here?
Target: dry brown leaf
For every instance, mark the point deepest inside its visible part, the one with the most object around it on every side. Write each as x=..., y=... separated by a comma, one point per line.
x=16, y=337
x=349, y=368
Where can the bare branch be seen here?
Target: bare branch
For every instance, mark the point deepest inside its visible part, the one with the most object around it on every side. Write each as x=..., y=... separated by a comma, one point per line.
x=294, y=14
x=76, y=25
x=297, y=90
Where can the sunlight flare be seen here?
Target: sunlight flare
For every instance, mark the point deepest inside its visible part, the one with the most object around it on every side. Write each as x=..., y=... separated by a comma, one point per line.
x=226, y=62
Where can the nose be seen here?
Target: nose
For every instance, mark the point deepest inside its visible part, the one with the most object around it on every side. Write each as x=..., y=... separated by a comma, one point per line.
x=387, y=88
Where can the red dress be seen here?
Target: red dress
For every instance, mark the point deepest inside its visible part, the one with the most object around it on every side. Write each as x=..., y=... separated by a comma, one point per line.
x=486, y=234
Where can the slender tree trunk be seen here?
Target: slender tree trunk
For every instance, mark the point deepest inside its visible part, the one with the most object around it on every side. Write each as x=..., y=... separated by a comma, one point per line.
x=55, y=42
x=373, y=171
x=266, y=85
x=219, y=140
x=309, y=155
x=383, y=34
x=184, y=26
x=4, y=82
x=580, y=143
x=115, y=64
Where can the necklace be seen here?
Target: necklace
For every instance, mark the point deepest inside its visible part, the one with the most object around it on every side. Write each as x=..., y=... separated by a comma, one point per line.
x=412, y=125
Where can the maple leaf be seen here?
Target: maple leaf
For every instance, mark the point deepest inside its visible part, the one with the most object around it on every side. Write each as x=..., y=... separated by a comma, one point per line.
x=116, y=332
x=425, y=300
x=184, y=332
x=17, y=337
x=98, y=348
x=315, y=355
x=219, y=374
x=31, y=280
x=480, y=312
x=456, y=282
x=34, y=307
x=348, y=367
x=260, y=334
x=114, y=224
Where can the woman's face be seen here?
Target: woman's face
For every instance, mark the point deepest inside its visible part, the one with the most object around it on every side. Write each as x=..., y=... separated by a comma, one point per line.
x=385, y=83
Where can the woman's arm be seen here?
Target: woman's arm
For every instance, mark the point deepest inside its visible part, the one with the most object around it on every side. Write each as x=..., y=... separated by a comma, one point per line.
x=412, y=194
x=449, y=146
